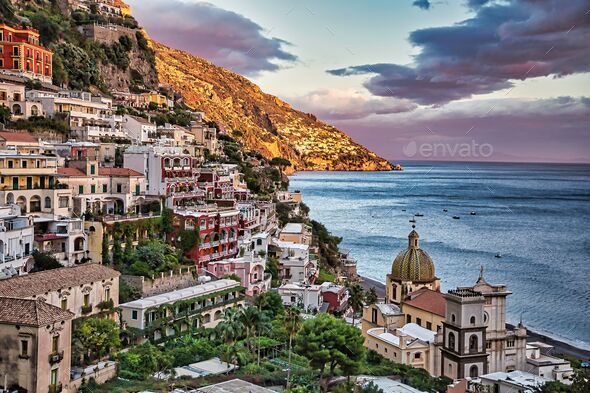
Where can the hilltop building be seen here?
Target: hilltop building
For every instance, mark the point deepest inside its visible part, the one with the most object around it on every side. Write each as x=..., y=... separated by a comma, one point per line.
x=23, y=55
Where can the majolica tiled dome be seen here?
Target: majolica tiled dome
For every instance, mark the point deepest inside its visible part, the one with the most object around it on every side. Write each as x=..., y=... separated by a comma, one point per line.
x=413, y=264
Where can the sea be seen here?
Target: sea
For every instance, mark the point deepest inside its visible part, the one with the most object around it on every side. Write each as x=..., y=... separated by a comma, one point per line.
x=530, y=230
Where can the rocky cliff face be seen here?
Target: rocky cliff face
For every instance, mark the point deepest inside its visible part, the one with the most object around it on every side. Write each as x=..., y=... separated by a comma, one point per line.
x=259, y=120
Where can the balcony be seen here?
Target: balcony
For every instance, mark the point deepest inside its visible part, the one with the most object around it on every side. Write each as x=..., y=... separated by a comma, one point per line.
x=87, y=309
x=57, y=388
x=56, y=357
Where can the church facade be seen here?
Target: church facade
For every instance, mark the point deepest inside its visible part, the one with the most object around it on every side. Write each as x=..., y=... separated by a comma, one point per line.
x=468, y=324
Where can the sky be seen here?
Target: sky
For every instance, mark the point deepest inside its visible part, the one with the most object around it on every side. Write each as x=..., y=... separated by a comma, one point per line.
x=474, y=80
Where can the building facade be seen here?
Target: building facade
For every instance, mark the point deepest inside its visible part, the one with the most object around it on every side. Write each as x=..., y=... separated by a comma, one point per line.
x=23, y=55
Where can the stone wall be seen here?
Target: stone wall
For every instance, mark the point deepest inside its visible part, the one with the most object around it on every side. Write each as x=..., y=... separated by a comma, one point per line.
x=164, y=282
x=101, y=373
x=106, y=33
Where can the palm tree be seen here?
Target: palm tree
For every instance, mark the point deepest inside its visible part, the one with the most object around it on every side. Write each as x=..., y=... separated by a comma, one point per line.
x=371, y=296
x=250, y=318
x=292, y=324
x=356, y=298
x=231, y=327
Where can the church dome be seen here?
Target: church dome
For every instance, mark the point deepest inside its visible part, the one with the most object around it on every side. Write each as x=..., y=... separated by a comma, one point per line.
x=413, y=264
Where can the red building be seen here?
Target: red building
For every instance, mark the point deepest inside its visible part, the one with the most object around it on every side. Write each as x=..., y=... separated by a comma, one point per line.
x=21, y=54
x=218, y=233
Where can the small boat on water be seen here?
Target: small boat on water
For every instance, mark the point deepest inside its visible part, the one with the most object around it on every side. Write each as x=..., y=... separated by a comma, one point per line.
x=403, y=210
x=498, y=255
x=419, y=215
x=445, y=210
x=456, y=218
x=413, y=221
x=473, y=213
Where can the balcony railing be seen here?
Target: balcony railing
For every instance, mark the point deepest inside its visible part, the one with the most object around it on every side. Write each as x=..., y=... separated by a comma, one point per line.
x=55, y=388
x=56, y=357
x=87, y=309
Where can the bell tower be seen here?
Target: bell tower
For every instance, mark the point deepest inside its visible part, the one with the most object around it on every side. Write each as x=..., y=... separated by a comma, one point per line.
x=464, y=335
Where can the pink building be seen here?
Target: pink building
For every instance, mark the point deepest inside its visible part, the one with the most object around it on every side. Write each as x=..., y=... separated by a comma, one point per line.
x=250, y=270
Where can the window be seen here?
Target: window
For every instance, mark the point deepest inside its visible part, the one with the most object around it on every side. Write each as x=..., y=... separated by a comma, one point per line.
x=23, y=164
x=473, y=343
x=64, y=304
x=429, y=325
x=119, y=188
x=104, y=188
x=137, y=189
x=93, y=189
x=452, y=341
x=134, y=315
x=53, y=378
x=10, y=164
x=473, y=372
x=453, y=318
x=24, y=348
x=417, y=355
x=64, y=201
x=92, y=169
x=510, y=343
x=374, y=315
x=47, y=203
x=107, y=294
x=86, y=299
x=472, y=320
x=55, y=344
x=419, y=321
x=80, y=189
x=408, y=318
x=488, y=345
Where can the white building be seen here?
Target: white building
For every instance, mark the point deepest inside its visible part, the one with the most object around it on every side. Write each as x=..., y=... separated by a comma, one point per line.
x=138, y=128
x=206, y=302
x=541, y=363
x=16, y=241
x=308, y=297
x=87, y=114
x=508, y=382
x=296, y=232
x=295, y=264
x=171, y=172
x=13, y=97
x=65, y=239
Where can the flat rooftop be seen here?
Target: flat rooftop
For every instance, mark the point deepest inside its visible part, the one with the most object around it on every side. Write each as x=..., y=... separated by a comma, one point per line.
x=180, y=294
x=234, y=386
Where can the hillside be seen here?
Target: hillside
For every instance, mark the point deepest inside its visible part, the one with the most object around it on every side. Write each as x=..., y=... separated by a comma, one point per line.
x=259, y=120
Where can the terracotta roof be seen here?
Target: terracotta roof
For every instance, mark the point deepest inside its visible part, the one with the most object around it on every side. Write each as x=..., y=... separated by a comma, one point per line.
x=70, y=172
x=17, y=136
x=427, y=300
x=118, y=172
x=51, y=280
x=30, y=312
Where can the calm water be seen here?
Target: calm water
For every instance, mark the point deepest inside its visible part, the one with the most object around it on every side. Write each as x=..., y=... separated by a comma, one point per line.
x=535, y=215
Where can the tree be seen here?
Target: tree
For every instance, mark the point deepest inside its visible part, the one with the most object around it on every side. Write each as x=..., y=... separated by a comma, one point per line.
x=106, y=259
x=271, y=303
x=356, y=297
x=166, y=225
x=292, y=325
x=44, y=261
x=330, y=343
x=249, y=318
x=581, y=381
x=142, y=361
x=5, y=114
x=281, y=163
x=231, y=327
x=95, y=338
x=371, y=296
x=158, y=255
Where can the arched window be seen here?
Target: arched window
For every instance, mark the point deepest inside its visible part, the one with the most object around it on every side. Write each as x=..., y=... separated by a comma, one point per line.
x=167, y=163
x=185, y=162
x=34, y=110
x=47, y=203
x=473, y=343
x=16, y=110
x=176, y=162
x=473, y=372
x=453, y=318
x=452, y=341
x=35, y=204
x=10, y=198
x=472, y=320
